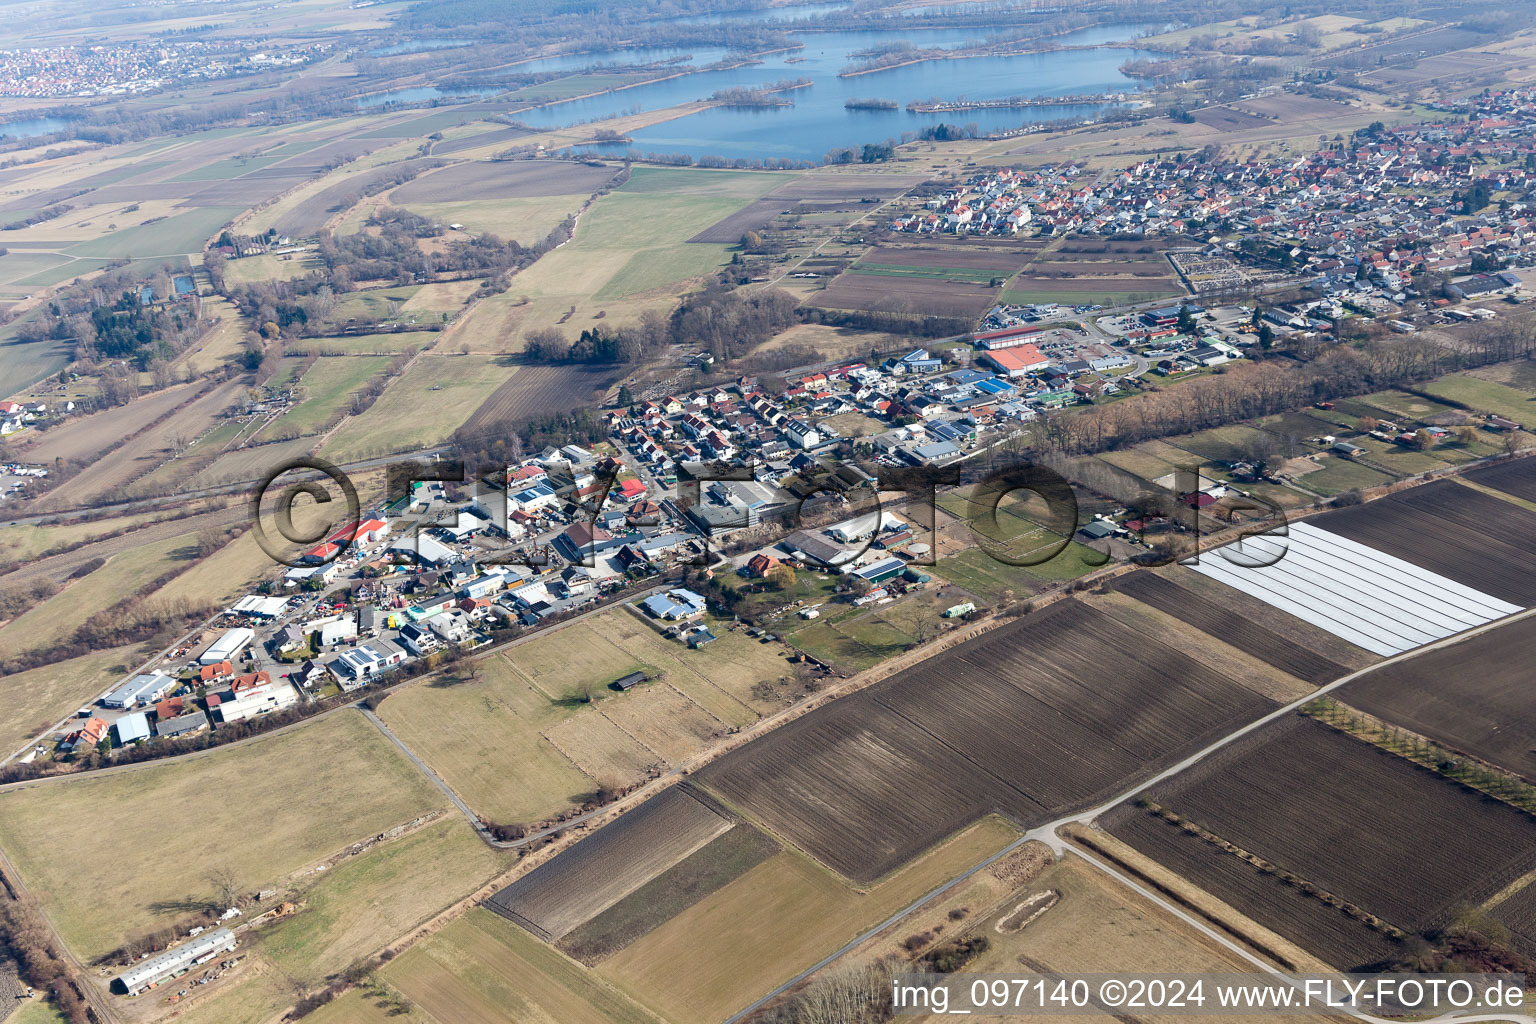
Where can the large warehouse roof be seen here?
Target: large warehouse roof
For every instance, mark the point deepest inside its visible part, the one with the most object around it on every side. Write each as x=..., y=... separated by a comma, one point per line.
x=1370, y=598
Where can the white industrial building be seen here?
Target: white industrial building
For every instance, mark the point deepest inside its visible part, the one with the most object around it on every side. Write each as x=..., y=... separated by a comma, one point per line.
x=259, y=607
x=146, y=974
x=252, y=695
x=140, y=690
x=863, y=527
x=338, y=630
x=228, y=646
x=1370, y=598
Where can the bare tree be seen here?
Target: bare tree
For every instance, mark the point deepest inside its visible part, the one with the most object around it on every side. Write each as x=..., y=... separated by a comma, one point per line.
x=226, y=887
x=918, y=619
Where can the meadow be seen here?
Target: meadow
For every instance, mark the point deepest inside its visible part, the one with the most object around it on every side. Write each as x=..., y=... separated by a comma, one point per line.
x=539, y=729
x=328, y=386
x=313, y=789
x=420, y=408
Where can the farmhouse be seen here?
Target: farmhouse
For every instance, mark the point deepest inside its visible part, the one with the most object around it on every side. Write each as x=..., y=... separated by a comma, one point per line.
x=627, y=682
x=760, y=564
x=146, y=974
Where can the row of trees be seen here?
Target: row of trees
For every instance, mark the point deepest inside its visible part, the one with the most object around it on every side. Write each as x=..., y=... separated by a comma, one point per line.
x=24, y=933
x=1250, y=390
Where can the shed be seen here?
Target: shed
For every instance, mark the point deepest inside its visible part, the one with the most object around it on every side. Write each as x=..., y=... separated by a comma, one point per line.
x=631, y=680
x=194, y=721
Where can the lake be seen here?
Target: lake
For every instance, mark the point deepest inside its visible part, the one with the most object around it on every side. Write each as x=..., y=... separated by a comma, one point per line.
x=33, y=126
x=818, y=121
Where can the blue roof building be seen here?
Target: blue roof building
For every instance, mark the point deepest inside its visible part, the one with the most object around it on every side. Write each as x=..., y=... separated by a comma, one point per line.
x=675, y=604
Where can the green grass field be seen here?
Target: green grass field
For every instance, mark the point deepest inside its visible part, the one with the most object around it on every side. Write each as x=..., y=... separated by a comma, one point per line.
x=233, y=167
x=63, y=272
x=120, y=577
x=373, y=304
x=520, y=743
x=421, y=407
x=27, y=542
x=262, y=810
x=18, y=264
x=630, y=253
x=368, y=900
x=177, y=235
x=1337, y=475
x=390, y=342
x=654, y=231
x=36, y=1011
x=328, y=388
x=485, y=739
x=702, y=182
x=524, y=220
x=266, y=267
x=936, y=273
x=1487, y=396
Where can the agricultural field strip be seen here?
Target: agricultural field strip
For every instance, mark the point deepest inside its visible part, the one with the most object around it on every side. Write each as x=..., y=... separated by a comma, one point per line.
x=1469, y=530
x=1372, y=599
x=1221, y=622
x=1336, y=810
x=1478, y=700
x=1048, y=832
x=557, y=897
x=1517, y=478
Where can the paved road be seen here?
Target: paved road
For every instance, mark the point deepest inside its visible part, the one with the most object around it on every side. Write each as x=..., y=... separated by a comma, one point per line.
x=1049, y=832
